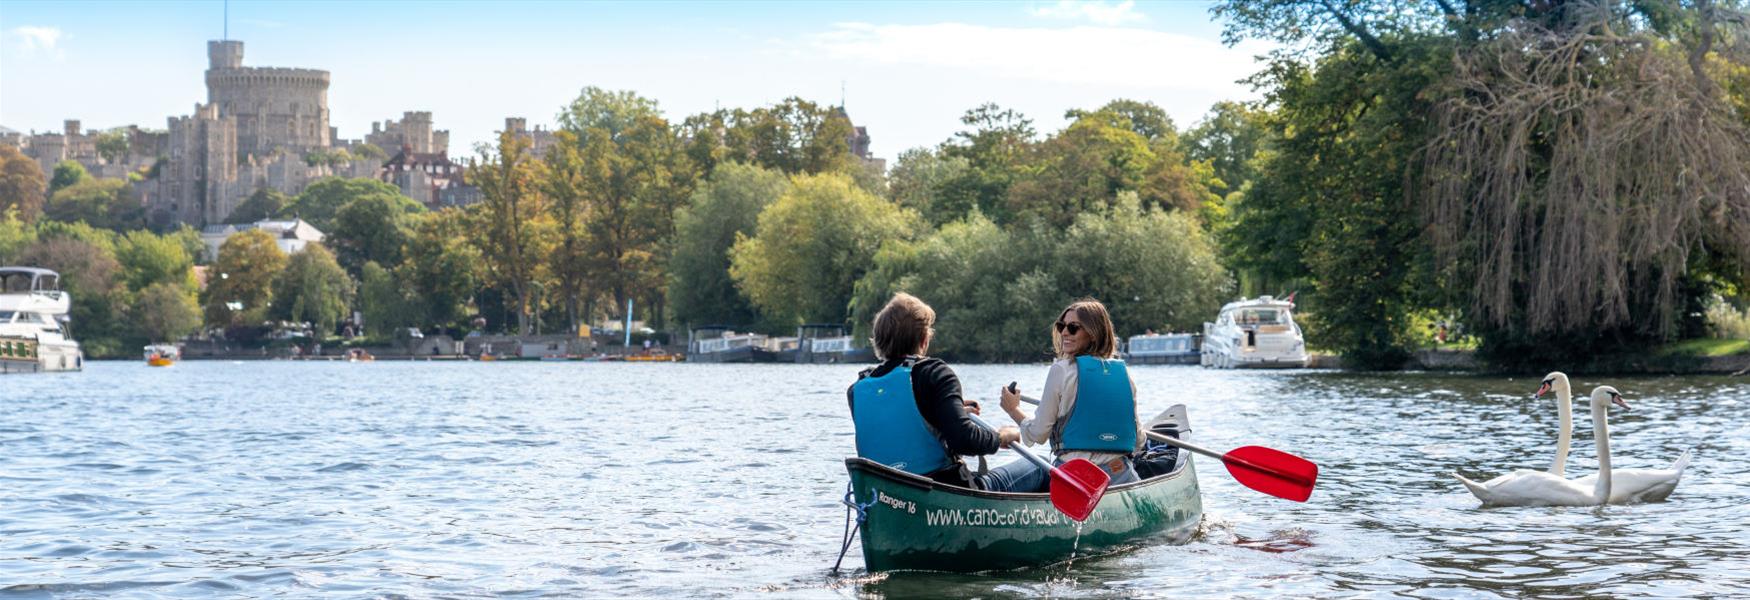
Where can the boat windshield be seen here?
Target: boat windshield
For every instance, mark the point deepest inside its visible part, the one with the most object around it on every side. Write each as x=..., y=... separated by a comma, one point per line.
x=6, y=316
x=1261, y=316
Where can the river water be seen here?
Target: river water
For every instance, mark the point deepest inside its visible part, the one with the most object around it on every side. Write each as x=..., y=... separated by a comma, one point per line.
x=690, y=480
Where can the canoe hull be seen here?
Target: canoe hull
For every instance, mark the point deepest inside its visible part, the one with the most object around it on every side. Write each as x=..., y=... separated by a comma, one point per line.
x=916, y=523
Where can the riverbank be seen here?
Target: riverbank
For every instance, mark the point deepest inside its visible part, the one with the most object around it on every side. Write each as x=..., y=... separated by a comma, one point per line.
x=1673, y=360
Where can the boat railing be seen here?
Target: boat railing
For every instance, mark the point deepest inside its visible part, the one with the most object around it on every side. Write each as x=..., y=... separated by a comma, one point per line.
x=831, y=344
x=726, y=343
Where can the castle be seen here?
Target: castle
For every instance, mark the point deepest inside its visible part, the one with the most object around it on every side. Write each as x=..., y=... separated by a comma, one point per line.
x=268, y=128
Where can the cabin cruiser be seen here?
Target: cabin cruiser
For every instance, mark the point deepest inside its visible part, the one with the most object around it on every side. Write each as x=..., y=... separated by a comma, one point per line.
x=1162, y=349
x=1254, y=333
x=33, y=323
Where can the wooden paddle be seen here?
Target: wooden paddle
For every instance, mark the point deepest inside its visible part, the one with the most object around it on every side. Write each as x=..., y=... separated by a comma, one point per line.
x=1076, y=487
x=1267, y=470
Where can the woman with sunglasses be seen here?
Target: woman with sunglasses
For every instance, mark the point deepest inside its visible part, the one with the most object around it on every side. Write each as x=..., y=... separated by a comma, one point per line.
x=1089, y=406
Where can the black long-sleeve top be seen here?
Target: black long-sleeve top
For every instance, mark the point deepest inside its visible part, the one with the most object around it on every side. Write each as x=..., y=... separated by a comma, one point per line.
x=936, y=389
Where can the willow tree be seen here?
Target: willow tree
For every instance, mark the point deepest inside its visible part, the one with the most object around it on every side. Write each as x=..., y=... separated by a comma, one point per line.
x=1586, y=158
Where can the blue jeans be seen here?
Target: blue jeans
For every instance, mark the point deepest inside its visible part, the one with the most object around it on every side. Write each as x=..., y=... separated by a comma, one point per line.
x=1022, y=476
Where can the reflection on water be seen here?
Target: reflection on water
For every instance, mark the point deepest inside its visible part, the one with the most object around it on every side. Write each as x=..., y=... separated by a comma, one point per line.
x=422, y=479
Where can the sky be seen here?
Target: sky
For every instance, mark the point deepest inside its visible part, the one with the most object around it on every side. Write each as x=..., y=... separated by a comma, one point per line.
x=905, y=70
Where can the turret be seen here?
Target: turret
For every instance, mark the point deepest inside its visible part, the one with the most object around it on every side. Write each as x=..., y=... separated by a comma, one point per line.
x=224, y=54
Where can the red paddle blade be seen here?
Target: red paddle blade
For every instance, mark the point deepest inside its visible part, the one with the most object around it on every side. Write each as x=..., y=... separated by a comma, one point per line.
x=1273, y=472
x=1076, y=488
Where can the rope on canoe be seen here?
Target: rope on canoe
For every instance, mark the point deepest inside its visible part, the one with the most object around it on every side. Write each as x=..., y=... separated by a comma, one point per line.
x=862, y=511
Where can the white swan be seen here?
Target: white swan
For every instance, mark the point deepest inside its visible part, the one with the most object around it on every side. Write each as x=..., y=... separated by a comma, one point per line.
x=1628, y=486
x=1554, y=478
x=1540, y=488
x=1558, y=381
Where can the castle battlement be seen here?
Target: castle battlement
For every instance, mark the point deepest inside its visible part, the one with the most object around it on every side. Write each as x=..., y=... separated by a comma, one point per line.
x=264, y=76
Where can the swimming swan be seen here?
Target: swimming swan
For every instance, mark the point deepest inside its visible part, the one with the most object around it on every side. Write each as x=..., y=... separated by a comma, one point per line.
x=1628, y=486
x=1541, y=488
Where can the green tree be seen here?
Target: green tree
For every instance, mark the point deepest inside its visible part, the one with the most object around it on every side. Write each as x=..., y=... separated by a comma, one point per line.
x=240, y=282
x=565, y=180
x=636, y=173
x=368, y=151
x=1086, y=165
x=67, y=174
x=918, y=178
x=443, y=268
x=321, y=201
x=14, y=235
x=995, y=147
x=113, y=145
x=265, y=203
x=21, y=184
x=797, y=136
x=1229, y=138
x=812, y=245
x=313, y=289
x=371, y=228
x=382, y=301
x=511, y=209
x=166, y=312
x=149, y=259
x=103, y=203
x=725, y=207
x=89, y=273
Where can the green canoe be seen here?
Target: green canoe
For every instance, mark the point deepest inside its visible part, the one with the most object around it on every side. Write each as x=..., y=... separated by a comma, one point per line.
x=916, y=523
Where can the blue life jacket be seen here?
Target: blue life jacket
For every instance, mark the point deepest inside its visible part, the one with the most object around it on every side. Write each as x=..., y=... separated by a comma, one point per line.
x=1103, y=418
x=890, y=430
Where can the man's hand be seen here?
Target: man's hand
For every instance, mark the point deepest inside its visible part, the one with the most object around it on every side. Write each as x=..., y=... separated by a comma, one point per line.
x=1008, y=436
x=971, y=406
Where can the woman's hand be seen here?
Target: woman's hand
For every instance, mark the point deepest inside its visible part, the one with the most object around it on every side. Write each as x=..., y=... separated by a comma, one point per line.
x=1011, y=400
x=1012, y=403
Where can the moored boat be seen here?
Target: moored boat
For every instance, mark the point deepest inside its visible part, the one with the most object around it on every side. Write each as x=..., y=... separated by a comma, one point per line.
x=1257, y=333
x=1162, y=349
x=34, y=323
x=915, y=523
x=716, y=343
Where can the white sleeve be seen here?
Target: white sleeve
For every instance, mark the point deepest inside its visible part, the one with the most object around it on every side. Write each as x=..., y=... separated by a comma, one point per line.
x=1037, y=430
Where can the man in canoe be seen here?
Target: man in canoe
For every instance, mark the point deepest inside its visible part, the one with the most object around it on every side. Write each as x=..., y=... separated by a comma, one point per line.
x=909, y=412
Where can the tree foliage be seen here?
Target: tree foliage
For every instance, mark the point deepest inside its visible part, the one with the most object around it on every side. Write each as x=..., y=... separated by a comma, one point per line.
x=21, y=184
x=240, y=282
x=812, y=245
x=313, y=288
x=725, y=207
x=166, y=312
x=321, y=201
x=102, y=203
x=67, y=174
x=265, y=203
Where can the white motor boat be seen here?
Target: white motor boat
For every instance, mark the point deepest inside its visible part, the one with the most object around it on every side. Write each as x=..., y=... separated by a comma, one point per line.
x=33, y=323
x=1254, y=333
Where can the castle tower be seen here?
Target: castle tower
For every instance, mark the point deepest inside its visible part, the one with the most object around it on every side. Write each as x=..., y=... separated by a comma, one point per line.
x=273, y=107
x=226, y=54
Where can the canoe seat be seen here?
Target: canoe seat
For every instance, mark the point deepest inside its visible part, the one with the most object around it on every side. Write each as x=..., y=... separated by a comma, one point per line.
x=1159, y=458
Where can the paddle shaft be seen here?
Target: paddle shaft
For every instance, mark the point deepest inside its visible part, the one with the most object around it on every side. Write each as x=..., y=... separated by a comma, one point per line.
x=1169, y=440
x=1025, y=453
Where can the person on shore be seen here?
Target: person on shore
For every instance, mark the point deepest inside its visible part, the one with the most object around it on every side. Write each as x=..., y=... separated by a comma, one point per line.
x=909, y=413
x=1089, y=406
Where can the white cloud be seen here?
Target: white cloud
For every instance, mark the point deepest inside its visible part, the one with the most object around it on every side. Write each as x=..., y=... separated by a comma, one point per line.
x=1103, y=56
x=1097, y=11
x=32, y=38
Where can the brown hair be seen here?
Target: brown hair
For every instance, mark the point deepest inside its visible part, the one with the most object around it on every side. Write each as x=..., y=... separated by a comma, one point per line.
x=1098, y=323
x=902, y=327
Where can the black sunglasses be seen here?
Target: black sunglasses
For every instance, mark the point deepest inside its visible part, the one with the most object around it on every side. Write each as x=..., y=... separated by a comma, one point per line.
x=1069, y=328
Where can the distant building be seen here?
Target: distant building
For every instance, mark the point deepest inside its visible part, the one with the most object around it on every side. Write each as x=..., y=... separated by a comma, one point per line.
x=858, y=141
x=425, y=177
x=539, y=139
x=291, y=236
x=414, y=129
